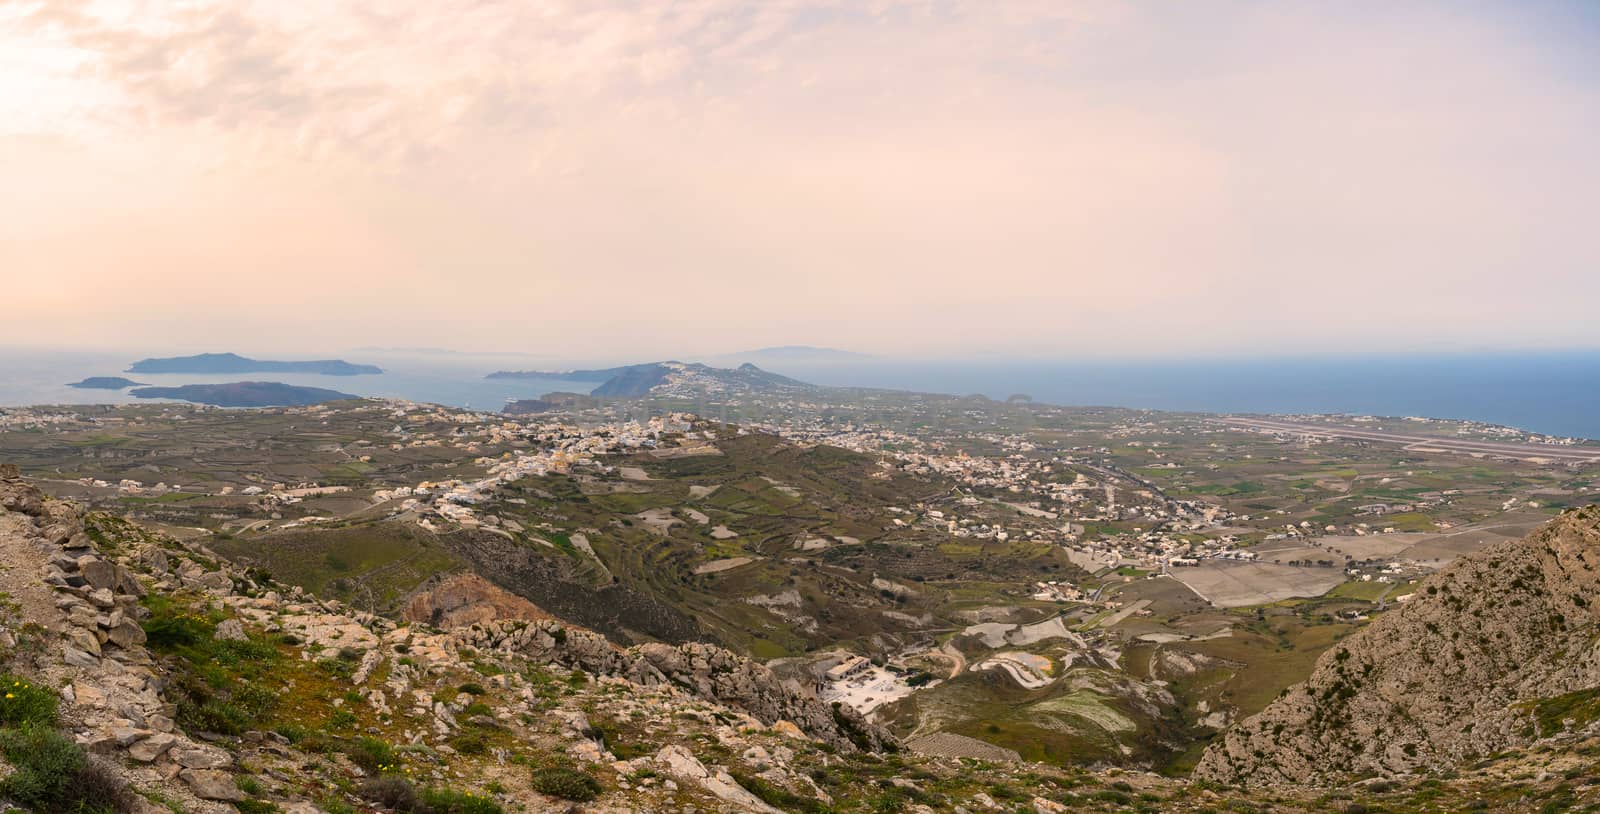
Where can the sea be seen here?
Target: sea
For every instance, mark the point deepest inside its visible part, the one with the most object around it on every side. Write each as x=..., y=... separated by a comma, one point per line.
x=1557, y=393
x=41, y=377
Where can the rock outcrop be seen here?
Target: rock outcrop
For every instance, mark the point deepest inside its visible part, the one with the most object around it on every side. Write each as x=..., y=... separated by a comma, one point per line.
x=1496, y=651
x=706, y=671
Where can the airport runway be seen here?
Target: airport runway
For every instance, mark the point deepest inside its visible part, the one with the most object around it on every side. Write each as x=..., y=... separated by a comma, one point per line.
x=1586, y=454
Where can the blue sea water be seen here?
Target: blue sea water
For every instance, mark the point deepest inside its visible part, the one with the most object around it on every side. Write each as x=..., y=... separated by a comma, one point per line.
x=41, y=377
x=1550, y=392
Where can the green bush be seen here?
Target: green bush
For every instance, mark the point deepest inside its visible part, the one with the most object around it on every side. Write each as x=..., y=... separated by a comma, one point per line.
x=171, y=630
x=52, y=775
x=470, y=743
x=25, y=702
x=568, y=784
x=372, y=755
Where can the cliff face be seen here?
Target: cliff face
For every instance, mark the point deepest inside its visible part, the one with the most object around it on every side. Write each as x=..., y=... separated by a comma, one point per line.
x=1497, y=650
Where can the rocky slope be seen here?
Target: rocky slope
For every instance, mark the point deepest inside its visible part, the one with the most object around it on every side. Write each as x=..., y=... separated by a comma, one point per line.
x=1497, y=651
x=163, y=680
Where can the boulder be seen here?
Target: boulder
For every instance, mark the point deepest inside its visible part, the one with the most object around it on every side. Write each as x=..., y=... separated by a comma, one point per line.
x=126, y=634
x=77, y=658
x=84, y=640
x=97, y=572
x=16, y=496
x=230, y=630
x=150, y=748
x=199, y=756
x=209, y=784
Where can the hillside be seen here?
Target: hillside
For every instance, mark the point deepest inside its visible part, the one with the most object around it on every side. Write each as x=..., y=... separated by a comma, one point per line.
x=144, y=675
x=667, y=379
x=1496, y=652
x=244, y=394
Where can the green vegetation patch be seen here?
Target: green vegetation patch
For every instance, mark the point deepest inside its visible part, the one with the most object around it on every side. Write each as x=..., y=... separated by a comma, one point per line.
x=51, y=774
x=1579, y=708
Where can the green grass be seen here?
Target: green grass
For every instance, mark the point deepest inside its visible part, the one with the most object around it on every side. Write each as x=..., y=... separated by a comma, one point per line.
x=1363, y=591
x=370, y=565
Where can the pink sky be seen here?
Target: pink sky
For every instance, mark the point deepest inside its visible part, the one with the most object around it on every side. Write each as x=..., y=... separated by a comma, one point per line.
x=918, y=177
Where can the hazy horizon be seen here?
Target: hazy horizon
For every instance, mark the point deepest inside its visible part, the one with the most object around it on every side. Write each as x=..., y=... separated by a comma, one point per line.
x=923, y=179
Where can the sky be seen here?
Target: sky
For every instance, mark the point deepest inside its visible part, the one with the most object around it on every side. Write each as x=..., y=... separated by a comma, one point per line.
x=930, y=178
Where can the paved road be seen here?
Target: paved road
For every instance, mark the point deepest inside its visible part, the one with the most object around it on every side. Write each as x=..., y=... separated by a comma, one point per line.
x=1574, y=453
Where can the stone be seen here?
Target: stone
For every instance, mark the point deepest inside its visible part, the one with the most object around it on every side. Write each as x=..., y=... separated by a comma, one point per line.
x=88, y=695
x=231, y=630
x=103, y=598
x=150, y=748
x=215, y=581
x=83, y=616
x=78, y=542
x=77, y=658
x=681, y=764
x=209, y=784
x=200, y=756
x=788, y=730
x=98, y=572
x=126, y=635
x=128, y=584
x=128, y=736
x=84, y=640
x=20, y=497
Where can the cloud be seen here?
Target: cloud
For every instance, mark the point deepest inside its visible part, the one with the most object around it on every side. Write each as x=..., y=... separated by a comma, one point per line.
x=913, y=175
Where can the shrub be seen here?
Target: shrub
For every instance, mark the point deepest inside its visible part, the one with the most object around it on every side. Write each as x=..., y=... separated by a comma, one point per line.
x=167, y=629
x=52, y=774
x=372, y=755
x=568, y=784
x=397, y=794
x=25, y=702
x=393, y=793
x=470, y=743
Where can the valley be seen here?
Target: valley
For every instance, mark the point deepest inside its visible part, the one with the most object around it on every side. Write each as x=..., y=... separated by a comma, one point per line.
x=1078, y=586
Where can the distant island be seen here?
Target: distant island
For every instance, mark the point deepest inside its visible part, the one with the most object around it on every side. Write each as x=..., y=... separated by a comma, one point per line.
x=599, y=375
x=105, y=383
x=638, y=381
x=807, y=353
x=244, y=394
x=207, y=363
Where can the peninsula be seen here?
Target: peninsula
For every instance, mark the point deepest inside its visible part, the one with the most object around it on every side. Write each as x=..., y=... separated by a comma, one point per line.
x=244, y=394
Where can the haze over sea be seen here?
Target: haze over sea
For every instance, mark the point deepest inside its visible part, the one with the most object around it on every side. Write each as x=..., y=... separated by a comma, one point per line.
x=1549, y=392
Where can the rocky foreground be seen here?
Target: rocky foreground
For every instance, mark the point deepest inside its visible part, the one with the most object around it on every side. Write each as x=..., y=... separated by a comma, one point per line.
x=143, y=674
x=1498, y=651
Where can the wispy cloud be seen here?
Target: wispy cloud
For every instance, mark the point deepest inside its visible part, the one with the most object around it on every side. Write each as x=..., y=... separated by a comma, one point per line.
x=1018, y=173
